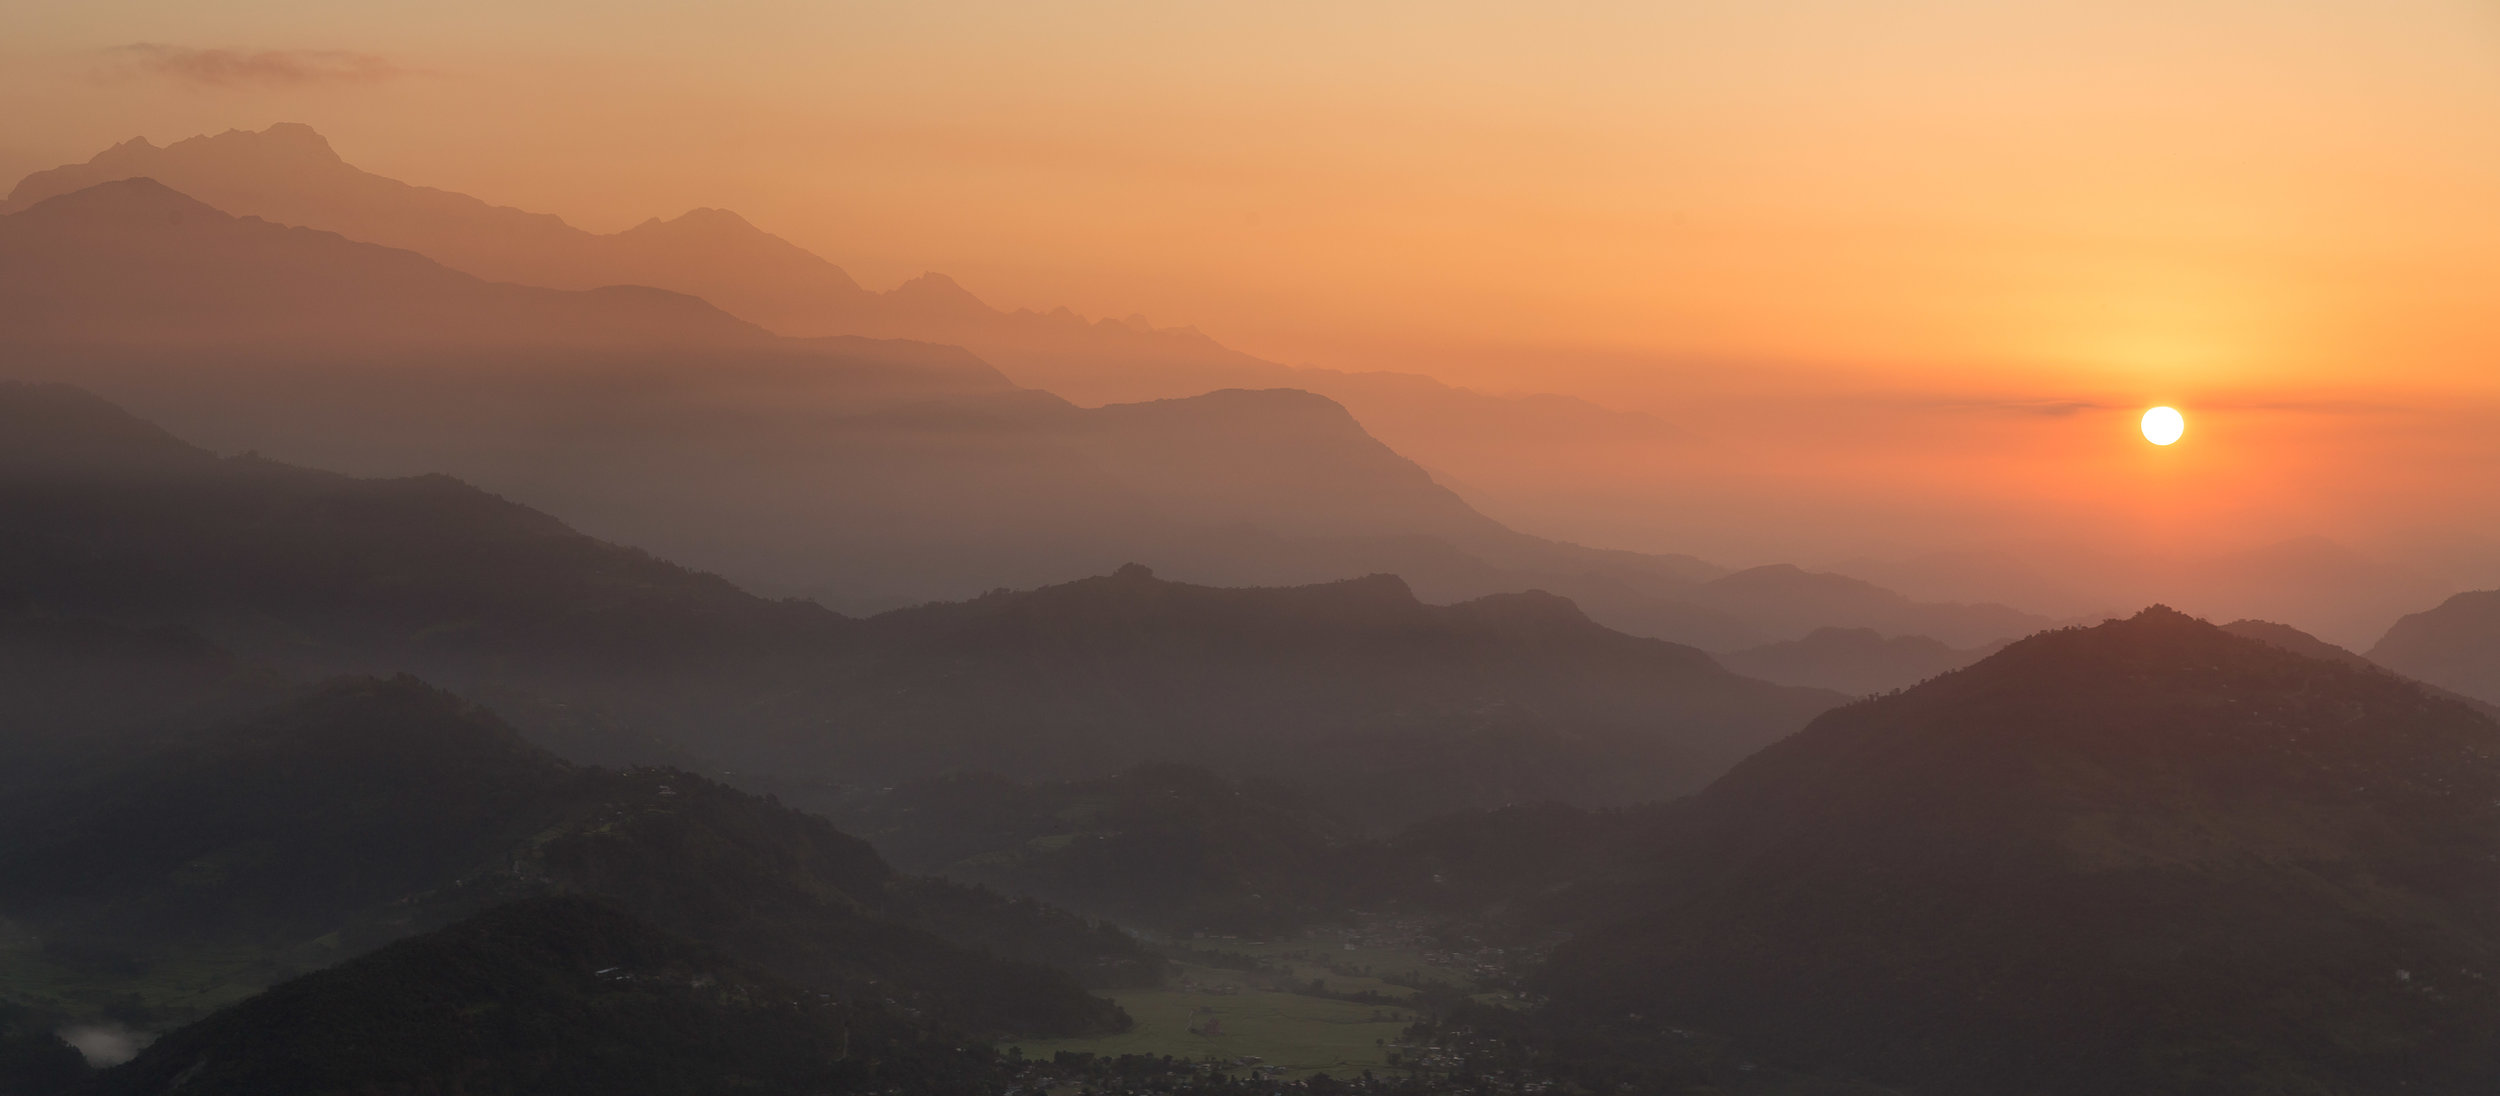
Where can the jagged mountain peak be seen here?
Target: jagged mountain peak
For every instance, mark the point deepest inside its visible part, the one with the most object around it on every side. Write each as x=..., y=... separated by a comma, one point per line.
x=286, y=138
x=704, y=221
x=933, y=292
x=281, y=148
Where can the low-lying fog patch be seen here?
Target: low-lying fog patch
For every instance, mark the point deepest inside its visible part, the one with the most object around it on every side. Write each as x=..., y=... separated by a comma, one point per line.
x=107, y=1044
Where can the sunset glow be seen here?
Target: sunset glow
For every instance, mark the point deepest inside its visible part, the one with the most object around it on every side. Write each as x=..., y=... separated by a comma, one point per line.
x=1795, y=236
x=1248, y=547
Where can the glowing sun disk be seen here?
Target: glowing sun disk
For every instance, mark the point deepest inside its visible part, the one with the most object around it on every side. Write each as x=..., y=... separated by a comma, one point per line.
x=2163, y=425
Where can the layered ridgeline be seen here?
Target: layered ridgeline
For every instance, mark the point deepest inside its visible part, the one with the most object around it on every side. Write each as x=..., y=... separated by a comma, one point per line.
x=123, y=545
x=1858, y=661
x=867, y=474
x=176, y=872
x=2300, y=642
x=2148, y=856
x=553, y=995
x=1356, y=687
x=2455, y=645
x=289, y=174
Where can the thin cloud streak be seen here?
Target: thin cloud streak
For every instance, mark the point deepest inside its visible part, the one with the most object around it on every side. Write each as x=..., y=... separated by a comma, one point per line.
x=2057, y=408
x=266, y=68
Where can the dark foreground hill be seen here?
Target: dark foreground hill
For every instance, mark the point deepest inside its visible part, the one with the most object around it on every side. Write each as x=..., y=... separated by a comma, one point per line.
x=2300, y=642
x=611, y=655
x=553, y=995
x=2454, y=646
x=370, y=809
x=2144, y=857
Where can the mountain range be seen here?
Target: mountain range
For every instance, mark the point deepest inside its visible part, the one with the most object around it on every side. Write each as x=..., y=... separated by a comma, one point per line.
x=1508, y=453
x=610, y=654
x=865, y=474
x=289, y=174
x=498, y=657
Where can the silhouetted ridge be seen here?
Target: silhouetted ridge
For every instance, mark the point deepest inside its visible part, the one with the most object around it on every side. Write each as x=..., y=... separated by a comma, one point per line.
x=1530, y=609
x=134, y=262
x=603, y=652
x=58, y=430
x=1784, y=599
x=934, y=292
x=2148, y=856
x=649, y=416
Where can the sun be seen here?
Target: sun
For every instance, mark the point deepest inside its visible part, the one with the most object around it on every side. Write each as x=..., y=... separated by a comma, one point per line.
x=2163, y=425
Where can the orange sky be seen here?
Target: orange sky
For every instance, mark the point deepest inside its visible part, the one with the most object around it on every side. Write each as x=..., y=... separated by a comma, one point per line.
x=1945, y=211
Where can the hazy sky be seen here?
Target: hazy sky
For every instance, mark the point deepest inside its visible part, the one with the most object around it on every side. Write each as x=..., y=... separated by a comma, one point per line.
x=1978, y=214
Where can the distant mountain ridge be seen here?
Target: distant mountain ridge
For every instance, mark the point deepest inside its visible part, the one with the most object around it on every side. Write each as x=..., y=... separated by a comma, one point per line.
x=2455, y=645
x=611, y=654
x=288, y=173
x=869, y=474
x=2317, y=585
x=1857, y=661
x=208, y=278
x=1783, y=600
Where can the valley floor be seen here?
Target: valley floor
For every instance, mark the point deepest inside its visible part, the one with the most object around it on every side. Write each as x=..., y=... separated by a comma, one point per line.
x=1346, y=1002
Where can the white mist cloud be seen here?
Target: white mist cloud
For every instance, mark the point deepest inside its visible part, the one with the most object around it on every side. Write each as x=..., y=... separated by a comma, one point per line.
x=106, y=1045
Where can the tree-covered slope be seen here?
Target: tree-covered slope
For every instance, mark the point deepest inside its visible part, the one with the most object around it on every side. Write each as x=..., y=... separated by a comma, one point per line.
x=2147, y=857
x=554, y=996
x=368, y=809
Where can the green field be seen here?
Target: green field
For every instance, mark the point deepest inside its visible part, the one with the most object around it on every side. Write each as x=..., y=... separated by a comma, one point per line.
x=1402, y=963
x=169, y=986
x=1300, y=1035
